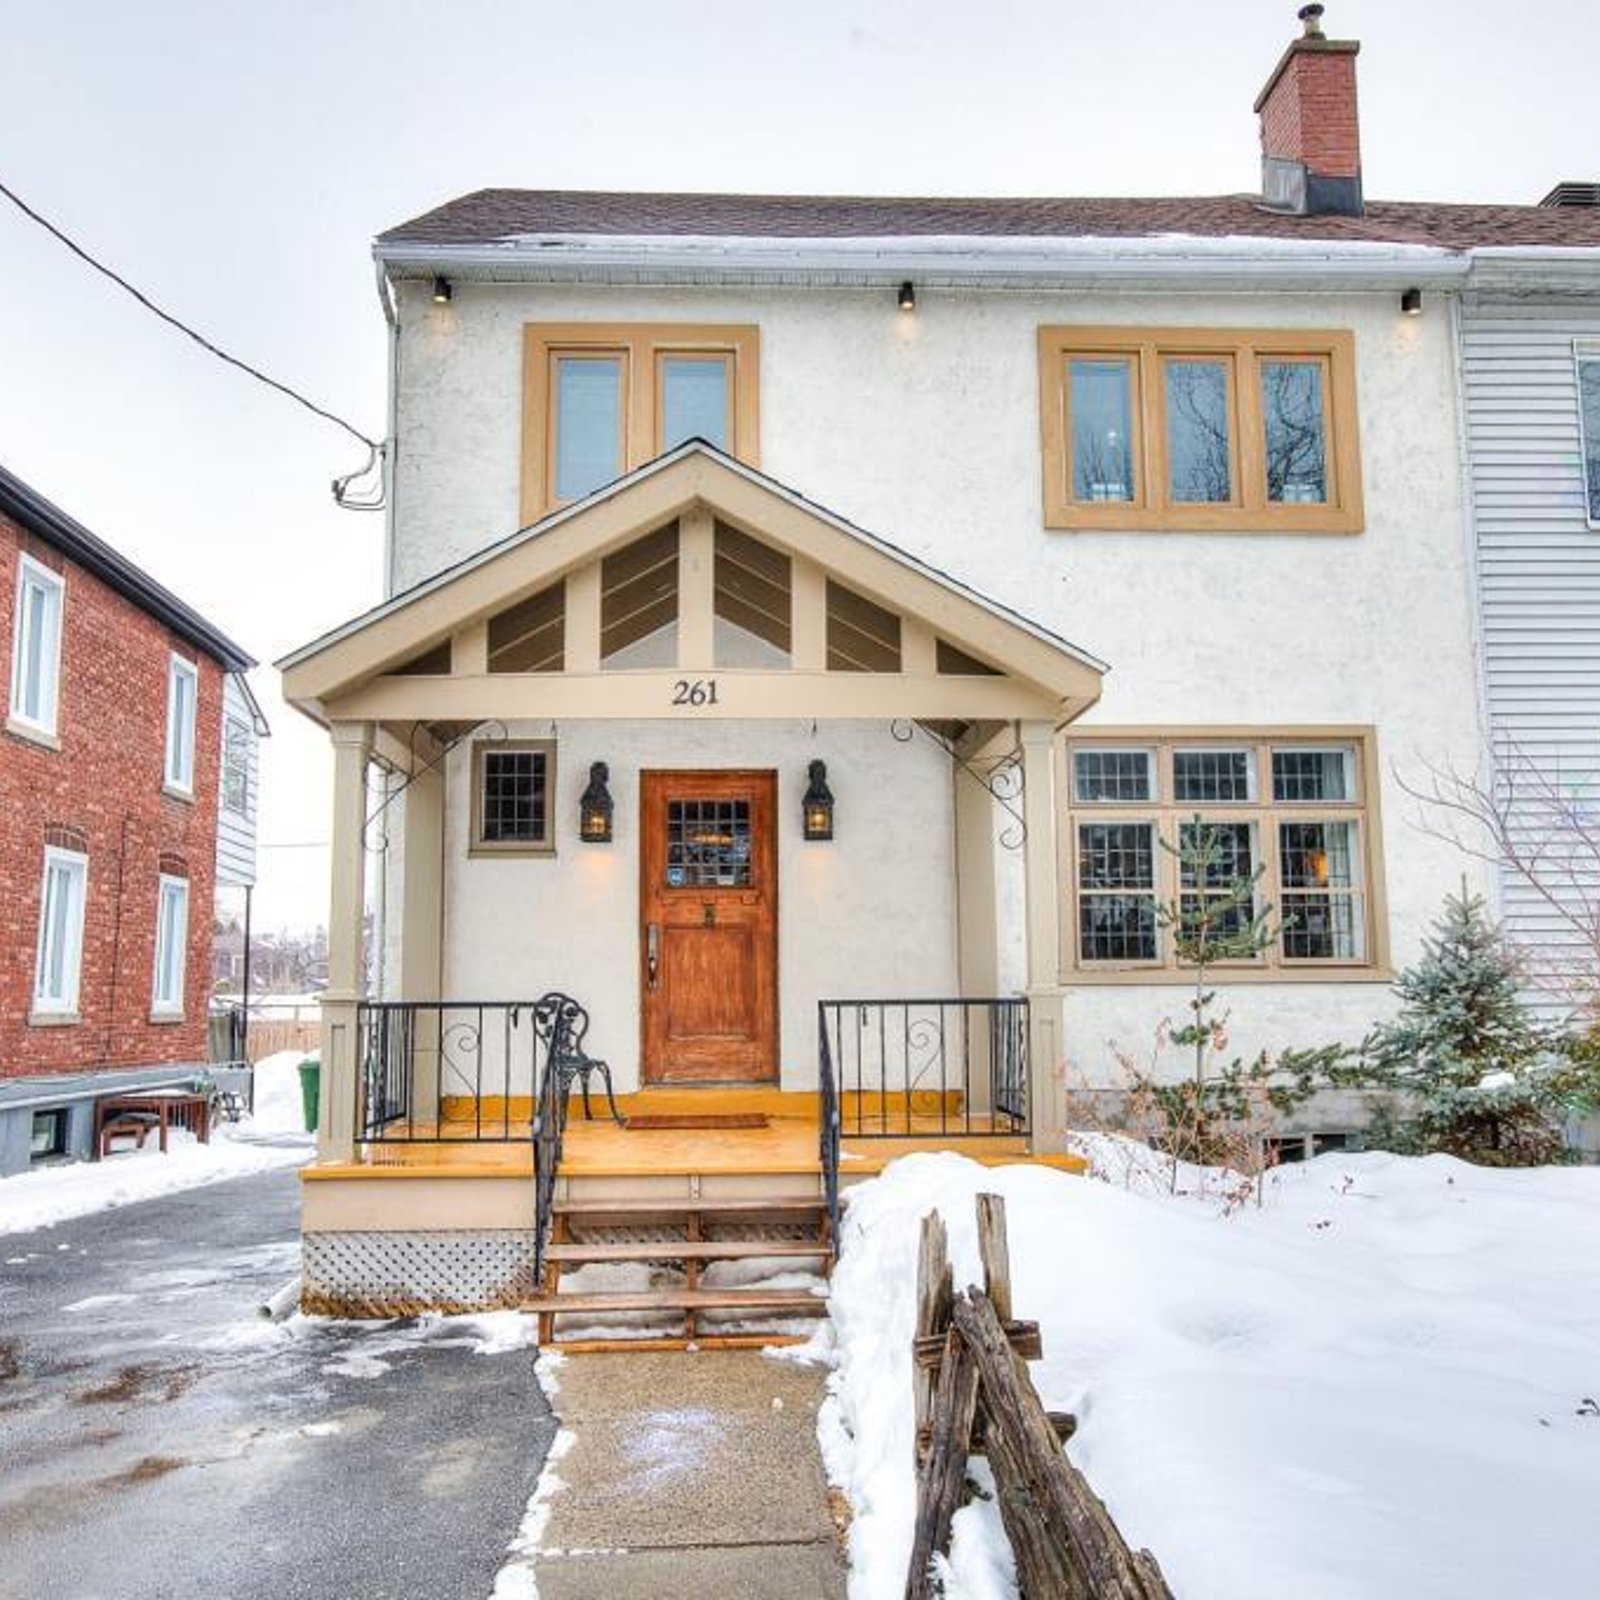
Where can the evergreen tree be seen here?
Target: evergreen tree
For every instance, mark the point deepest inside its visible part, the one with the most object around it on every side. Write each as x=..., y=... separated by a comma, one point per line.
x=1473, y=1073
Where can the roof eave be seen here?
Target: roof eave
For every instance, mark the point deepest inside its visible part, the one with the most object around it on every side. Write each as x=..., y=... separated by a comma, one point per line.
x=1137, y=262
x=65, y=533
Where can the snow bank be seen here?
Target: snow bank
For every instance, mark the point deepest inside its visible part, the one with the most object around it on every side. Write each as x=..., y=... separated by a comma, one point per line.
x=1374, y=1386
x=74, y=1189
x=278, y=1108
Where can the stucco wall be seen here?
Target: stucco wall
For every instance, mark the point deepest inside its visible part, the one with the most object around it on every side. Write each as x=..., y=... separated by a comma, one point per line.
x=925, y=429
x=870, y=914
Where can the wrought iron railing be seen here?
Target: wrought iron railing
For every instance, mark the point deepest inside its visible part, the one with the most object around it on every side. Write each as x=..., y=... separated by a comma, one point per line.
x=548, y=1125
x=920, y=1069
x=446, y=1071
x=828, y=1121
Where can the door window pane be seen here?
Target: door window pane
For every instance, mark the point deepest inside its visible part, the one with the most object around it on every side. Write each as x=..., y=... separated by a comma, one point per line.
x=1199, y=438
x=1297, y=457
x=1102, y=428
x=588, y=424
x=708, y=844
x=694, y=400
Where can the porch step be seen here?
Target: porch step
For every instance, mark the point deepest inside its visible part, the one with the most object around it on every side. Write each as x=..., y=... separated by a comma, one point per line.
x=686, y=1250
x=788, y=1302
x=680, y=1205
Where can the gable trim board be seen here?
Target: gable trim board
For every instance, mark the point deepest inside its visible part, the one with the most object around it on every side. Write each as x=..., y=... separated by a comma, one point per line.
x=1040, y=674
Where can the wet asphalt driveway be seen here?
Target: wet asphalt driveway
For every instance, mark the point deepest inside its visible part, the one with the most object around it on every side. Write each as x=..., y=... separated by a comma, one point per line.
x=159, y=1439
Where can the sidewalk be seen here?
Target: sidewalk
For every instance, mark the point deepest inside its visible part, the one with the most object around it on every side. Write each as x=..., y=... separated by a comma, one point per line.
x=693, y=1475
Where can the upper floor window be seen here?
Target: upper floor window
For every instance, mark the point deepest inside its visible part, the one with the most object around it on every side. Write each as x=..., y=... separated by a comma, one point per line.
x=36, y=647
x=1589, y=415
x=1298, y=809
x=1199, y=428
x=237, y=738
x=182, y=686
x=59, y=953
x=172, y=943
x=600, y=399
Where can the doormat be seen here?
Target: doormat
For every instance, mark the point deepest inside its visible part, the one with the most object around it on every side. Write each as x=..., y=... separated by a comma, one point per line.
x=653, y=1122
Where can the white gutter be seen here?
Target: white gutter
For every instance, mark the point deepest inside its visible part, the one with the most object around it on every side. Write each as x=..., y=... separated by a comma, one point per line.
x=950, y=262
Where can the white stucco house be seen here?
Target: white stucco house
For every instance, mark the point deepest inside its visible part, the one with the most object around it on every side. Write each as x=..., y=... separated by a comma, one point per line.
x=808, y=618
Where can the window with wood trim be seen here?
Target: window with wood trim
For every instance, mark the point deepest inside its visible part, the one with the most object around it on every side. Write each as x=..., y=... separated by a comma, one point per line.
x=1588, y=356
x=600, y=399
x=1299, y=807
x=1204, y=429
x=513, y=797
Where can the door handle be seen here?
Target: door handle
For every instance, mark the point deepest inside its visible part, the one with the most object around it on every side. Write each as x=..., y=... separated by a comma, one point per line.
x=652, y=954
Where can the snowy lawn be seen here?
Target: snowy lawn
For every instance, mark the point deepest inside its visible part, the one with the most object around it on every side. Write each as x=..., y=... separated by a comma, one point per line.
x=272, y=1138
x=1381, y=1383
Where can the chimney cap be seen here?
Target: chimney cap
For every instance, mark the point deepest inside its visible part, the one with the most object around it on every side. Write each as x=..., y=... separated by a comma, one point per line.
x=1311, y=20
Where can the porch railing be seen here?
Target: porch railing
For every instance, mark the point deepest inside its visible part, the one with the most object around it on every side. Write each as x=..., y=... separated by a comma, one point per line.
x=828, y=1121
x=922, y=1069
x=446, y=1071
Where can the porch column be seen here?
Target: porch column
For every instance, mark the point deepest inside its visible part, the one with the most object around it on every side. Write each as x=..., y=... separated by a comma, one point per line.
x=352, y=747
x=1043, y=893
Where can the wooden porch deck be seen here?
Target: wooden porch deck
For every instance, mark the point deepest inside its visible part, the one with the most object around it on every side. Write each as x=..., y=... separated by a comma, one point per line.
x=786, y=1145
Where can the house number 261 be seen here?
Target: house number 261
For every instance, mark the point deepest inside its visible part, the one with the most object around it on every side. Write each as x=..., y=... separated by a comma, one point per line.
x=694, y=692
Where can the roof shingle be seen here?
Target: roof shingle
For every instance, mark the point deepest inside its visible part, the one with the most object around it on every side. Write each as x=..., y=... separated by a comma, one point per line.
x=492, y=215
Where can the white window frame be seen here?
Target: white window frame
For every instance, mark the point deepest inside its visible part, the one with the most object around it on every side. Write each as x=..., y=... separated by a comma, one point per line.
x=75, y=865
x=172, y=947
x=179, y=774
x=35, y=576
x=1586, y=352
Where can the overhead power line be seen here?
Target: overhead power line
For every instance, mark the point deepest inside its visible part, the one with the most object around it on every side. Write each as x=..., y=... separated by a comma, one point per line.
x=184, y=328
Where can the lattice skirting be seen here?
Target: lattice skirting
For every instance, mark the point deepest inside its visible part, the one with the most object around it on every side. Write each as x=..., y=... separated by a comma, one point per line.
x=401, y=1274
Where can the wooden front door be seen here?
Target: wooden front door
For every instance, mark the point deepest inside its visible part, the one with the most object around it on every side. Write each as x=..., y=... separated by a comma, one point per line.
x=709, y=903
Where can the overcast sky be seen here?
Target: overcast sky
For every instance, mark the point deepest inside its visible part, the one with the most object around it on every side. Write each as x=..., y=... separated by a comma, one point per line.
x=235, y=160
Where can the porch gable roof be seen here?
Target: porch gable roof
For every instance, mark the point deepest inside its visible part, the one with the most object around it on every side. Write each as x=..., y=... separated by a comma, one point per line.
x=346, y=672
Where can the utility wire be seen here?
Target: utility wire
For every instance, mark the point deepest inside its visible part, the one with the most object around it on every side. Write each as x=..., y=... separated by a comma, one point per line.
x=183, y=327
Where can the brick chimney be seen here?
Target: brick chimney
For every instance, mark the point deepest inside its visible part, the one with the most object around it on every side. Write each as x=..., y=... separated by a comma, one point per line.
x=1310, y=132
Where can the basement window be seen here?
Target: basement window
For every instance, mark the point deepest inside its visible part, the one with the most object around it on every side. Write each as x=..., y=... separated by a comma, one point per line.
x=49, y=1135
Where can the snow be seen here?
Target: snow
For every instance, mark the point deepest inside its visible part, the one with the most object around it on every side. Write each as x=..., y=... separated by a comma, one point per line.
x=1378, y=1383
x=271, y=1138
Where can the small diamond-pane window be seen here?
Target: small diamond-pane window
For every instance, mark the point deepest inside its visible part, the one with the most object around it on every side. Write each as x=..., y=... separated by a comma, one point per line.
x=708, y=844
x=513, y=797
x=1211, y=775
x=1112, y=775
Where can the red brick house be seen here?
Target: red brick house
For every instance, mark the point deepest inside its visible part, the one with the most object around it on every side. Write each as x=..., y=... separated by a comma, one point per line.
x=110, y=786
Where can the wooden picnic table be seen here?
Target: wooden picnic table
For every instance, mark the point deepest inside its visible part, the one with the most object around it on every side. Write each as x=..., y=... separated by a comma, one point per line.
x=151, y=1110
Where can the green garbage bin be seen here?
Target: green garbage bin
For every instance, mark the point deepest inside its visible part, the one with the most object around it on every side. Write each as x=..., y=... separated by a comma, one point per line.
x=310, y=1091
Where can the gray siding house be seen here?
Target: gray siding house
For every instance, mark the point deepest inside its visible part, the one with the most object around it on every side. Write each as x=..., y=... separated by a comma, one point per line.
x=1530, y=347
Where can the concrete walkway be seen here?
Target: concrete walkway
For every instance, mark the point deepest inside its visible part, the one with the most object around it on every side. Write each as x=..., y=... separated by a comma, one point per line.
x=693, y=1475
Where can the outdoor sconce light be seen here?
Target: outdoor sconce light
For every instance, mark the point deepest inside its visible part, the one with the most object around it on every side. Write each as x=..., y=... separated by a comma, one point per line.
x=816, y=809
x=594, y=809
x=442, y=291
x=1411, y=302
x=907, y=297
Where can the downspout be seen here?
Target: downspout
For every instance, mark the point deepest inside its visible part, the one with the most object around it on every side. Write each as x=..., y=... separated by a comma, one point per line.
x=1469, y=510
x=391, y=433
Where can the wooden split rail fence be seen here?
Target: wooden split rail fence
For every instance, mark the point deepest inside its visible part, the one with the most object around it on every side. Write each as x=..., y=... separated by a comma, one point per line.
x=974, y=1396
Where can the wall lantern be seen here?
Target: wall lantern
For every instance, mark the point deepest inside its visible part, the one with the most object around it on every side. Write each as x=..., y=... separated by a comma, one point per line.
x=442, y=291
x=816, y=809
x=907, y=298
x=1411, y=302
x=594, y=809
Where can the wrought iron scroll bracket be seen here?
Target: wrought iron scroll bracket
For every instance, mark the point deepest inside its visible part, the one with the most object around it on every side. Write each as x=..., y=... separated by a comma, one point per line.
x=377, y=842
x=1000, y=776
